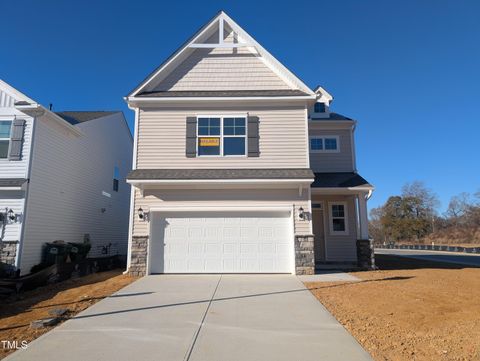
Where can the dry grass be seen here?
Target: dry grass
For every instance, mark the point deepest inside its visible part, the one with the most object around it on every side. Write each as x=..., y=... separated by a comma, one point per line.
x=17, y=312
x=410, y=310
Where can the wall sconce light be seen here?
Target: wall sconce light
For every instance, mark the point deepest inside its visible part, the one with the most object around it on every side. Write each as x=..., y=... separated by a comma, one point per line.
x=141, y=214
x=11, y=215
x=301, y=213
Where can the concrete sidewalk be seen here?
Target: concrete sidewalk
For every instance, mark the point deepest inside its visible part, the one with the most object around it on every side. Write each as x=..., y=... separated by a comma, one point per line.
x=199, y=318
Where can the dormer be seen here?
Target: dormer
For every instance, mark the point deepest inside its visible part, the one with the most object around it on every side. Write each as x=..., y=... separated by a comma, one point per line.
x=321, y=107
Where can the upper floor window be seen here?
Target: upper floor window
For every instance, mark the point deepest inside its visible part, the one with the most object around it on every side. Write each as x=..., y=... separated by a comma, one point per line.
x=338, y=218
x=221, y=136
x=5, y=130
x=319, y=108
x=319, y=144
x=116, y=178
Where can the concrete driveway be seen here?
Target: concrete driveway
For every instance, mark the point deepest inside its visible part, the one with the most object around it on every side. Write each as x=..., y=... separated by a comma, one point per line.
x=201, y=317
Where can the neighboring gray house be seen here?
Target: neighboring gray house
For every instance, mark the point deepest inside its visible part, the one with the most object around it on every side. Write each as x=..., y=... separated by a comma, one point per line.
x=62, y=177
x=241, y=167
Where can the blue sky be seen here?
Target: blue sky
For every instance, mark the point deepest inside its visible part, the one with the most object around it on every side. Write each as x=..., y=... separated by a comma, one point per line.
x=408, y=71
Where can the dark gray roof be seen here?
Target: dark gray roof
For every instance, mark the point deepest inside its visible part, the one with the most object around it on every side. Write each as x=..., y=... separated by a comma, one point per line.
x=76, y=117
x=223, y=93
x=22, y=102
x=172, y=174
x=12, y=182
x=334, y=116
x=338, y=180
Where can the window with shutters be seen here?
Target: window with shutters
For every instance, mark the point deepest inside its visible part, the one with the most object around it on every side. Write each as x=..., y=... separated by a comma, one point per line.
x=222, y=135
x=5, y=132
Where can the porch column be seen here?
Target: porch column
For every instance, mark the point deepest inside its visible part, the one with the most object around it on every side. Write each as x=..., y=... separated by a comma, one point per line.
x=362, y=216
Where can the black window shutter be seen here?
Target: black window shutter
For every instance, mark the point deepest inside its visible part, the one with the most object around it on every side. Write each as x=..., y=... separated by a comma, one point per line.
x=253, y=137
x=191, y=137
x=16, y=140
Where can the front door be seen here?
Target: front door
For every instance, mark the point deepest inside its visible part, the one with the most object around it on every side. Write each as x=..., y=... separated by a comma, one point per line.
x=318, y=232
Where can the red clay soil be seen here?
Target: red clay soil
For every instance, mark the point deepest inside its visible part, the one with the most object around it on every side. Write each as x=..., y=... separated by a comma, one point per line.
x=410, y=310
x=18, y=311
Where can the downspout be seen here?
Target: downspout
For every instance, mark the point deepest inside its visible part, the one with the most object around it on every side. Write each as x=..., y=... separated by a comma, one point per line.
x=132, y=191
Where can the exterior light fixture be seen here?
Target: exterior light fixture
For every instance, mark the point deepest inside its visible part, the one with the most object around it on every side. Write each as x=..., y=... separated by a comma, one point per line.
x=11, y=215
x=301, y=213
x=141, y=214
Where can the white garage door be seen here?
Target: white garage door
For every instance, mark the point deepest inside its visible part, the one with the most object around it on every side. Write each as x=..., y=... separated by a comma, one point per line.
x=221, y=242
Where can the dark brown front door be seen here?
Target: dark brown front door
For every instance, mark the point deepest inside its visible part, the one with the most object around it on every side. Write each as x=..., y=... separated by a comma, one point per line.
x=319, y=234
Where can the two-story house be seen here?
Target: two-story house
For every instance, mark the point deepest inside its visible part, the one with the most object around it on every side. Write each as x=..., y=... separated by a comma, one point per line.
x=62, y=177
x=239, y=166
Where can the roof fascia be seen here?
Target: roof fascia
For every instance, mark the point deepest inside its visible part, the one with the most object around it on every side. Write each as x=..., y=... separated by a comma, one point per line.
x=182, y=49
x=14, y=92
x=272, y=63
x=37, y=110
x=268, y=58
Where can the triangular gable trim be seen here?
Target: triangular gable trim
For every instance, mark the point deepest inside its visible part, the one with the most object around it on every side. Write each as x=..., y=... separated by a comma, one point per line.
x=14, y=93
x=190, y=45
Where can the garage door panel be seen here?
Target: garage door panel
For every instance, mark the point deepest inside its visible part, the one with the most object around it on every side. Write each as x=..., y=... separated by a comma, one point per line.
x=214, y=242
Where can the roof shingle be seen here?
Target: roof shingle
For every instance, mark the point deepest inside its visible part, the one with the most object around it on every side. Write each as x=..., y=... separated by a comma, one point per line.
x=76, y=117
x=339, y=180
x=173, y=174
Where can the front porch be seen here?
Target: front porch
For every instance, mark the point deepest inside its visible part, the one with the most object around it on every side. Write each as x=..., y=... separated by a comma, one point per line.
x=340, y=221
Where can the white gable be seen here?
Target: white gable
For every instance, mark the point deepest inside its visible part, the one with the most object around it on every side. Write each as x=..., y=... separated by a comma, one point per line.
x=9, y=96
x=234, y=61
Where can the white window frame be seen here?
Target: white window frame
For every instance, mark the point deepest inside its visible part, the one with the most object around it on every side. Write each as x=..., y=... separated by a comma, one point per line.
x=323, y=137
x=221, y=136
x=9, y=138
x=345, y=217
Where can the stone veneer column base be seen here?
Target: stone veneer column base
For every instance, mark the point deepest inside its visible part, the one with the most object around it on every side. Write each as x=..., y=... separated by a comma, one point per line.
x=304, y=255
x=8, y=252
x=365, y=254
x=138, y=257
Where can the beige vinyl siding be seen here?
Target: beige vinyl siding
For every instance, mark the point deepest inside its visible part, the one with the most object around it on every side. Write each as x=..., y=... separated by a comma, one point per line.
x=222, y=197
x=68, y=176
x=333, y=162
x=283, y=138
x=222, y=69
x=340, y=248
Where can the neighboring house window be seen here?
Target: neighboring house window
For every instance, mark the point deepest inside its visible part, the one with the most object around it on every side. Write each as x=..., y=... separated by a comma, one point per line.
x=5, y=129
x=338, y=218
x=116, y=178
x=222, y=136
x=319, y=108
x=328, y=144
x=316, y=144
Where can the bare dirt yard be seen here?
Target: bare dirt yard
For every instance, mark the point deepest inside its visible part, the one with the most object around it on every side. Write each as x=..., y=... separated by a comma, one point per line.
x=409, y=309
x=18, y=311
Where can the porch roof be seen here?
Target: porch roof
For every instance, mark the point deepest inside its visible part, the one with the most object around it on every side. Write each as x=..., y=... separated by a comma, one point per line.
x=340, y=180
x=220, y=174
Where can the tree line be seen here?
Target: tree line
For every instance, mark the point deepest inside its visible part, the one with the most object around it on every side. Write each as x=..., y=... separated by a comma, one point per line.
x=413, y=217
